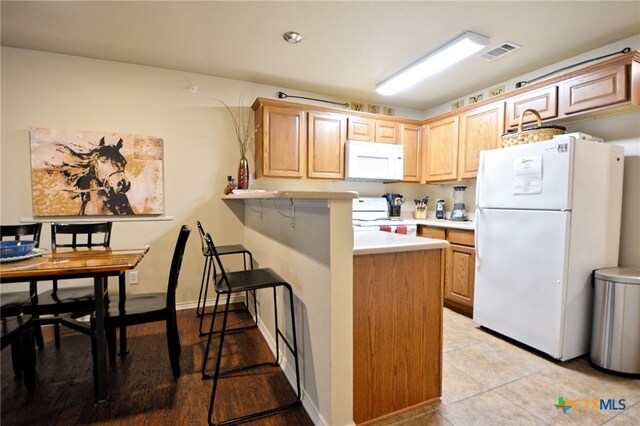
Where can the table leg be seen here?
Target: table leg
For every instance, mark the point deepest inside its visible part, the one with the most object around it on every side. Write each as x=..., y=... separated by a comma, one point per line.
x=100, y=366
x=121, y=307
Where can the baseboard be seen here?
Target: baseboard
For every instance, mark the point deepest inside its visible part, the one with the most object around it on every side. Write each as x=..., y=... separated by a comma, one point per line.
x=290, y=374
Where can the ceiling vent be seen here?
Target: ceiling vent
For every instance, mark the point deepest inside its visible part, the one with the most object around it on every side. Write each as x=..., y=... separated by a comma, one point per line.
x=499, y=51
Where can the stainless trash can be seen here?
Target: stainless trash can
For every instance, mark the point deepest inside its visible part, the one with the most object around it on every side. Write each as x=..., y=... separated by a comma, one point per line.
x=615, y=338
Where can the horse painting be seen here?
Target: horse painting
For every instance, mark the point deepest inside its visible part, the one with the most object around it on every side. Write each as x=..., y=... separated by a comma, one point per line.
x=97, y=177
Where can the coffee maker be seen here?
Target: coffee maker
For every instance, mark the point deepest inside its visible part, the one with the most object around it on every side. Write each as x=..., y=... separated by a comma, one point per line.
x=459, y=212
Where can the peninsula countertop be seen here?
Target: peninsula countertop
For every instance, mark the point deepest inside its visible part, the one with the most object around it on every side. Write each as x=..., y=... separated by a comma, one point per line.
x=318, y=195
x=377, y=242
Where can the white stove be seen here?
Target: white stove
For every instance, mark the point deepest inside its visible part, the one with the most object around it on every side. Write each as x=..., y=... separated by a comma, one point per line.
x=372, y=214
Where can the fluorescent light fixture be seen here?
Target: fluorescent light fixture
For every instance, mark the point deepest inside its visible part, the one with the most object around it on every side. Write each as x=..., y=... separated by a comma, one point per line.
x=454, y=51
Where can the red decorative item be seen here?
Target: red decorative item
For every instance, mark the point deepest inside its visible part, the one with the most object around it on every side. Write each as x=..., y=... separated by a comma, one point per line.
x=243, y=174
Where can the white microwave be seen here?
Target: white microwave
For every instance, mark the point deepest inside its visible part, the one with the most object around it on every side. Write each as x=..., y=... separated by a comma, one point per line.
x=372, y=161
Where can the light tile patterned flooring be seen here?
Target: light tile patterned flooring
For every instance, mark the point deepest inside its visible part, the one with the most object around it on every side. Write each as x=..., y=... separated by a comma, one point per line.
x=489, y=381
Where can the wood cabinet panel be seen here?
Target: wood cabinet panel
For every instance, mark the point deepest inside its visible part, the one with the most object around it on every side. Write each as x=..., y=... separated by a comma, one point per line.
x=410, y=137
x=460, y=275
x=480, y=129
x=431, y=232
x=387, y=131
x=361, y=129
x=545, y=101
x=327, y=134
x=281, y=145
x=441, y=150
x=397, y=332
x=595, y=90
x=460, y=236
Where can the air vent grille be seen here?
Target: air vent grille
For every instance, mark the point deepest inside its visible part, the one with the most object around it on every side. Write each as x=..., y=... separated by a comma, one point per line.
x=499, y=51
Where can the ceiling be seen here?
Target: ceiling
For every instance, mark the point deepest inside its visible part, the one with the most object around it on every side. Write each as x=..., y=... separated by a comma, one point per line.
x=348, y=47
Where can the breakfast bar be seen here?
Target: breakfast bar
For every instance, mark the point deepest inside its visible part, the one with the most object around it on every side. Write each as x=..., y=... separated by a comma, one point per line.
x=369, y=308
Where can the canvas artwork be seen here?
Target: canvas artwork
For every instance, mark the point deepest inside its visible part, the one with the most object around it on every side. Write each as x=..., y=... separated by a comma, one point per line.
x=95, y=174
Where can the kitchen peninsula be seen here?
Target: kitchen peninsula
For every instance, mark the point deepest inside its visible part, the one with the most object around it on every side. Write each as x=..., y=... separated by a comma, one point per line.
x=368, y=311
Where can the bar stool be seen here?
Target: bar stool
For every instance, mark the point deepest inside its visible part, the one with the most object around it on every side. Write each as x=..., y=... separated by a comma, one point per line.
x=206, y=274
x=242, y=281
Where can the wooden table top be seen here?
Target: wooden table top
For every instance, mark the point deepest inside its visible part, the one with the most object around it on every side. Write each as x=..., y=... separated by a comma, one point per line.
x=70, y=262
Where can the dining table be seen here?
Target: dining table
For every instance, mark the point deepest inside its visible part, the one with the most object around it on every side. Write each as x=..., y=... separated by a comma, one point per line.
x=98, y=263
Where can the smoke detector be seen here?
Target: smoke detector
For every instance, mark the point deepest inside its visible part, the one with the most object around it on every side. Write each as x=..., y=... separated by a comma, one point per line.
x=499, y=51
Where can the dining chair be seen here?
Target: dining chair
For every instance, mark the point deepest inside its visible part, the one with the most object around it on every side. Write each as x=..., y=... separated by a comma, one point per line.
x=76, y=298
x=151, y=307
x=17, y=331
x=11, y=302
x=242, y=281
x=209, y=266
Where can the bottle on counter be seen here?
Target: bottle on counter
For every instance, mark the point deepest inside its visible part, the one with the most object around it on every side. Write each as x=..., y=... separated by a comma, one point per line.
x=231, y=185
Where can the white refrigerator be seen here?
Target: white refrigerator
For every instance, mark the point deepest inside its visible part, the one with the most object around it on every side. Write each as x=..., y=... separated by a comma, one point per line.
x=547, y=215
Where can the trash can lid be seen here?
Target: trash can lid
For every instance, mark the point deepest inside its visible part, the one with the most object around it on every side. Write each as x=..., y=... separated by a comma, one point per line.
x=619, y=275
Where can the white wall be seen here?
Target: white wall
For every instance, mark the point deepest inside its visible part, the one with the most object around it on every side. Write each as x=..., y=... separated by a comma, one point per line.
x=48, y=90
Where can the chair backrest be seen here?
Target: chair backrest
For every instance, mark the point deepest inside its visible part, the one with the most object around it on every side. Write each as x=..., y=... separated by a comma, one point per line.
x=223, y=275
x=176, y=264
x=26, y=232
x=205, y=248
x=81, y=234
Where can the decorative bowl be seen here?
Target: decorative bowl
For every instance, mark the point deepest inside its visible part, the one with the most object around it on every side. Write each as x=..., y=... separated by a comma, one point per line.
x=16, y=248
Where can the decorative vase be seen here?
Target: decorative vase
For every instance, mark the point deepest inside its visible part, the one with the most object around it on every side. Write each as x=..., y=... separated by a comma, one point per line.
x=243, y=173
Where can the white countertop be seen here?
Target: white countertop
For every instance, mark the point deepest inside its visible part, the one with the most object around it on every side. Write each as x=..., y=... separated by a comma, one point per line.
x=259, y=194
x=377, y=242
x=442, y=223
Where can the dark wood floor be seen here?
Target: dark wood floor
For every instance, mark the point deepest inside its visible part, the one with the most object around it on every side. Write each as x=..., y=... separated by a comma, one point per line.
x=142, y=388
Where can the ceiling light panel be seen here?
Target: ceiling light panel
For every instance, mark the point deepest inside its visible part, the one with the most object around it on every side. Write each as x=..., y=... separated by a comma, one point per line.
x=454, y=51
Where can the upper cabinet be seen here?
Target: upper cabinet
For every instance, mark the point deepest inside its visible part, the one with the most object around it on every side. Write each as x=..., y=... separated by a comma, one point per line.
x=596, y=89
x=372, y=130
x=281, y=142
x=327, y=134
x=480, y=129
x=544, y=100
x=453, y=144
x=441, y=150
x=411, y=139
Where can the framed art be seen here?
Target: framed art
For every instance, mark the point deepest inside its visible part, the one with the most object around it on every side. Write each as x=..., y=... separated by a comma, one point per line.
x=78, y=173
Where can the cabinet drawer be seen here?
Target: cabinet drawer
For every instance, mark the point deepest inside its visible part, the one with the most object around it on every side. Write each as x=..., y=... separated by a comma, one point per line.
x=461, y=236
x=431, y=232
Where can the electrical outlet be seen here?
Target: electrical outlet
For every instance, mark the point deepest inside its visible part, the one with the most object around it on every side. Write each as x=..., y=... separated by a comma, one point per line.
x=133, y=277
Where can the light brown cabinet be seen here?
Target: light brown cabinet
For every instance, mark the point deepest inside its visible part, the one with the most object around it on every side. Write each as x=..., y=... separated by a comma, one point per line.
x=441, y=150
x=480, y=129
x=281, y=142
x=397, y=332
x=597, y=89
x=327, y=134
x=410, y=138
x=460, y=262
x=373, y=130
x=544, y=100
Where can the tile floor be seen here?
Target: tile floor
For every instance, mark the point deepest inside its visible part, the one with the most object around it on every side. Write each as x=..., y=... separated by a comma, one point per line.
x=489, y=381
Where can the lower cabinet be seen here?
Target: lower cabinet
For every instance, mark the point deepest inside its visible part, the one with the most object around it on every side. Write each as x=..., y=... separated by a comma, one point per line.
x=460, y=263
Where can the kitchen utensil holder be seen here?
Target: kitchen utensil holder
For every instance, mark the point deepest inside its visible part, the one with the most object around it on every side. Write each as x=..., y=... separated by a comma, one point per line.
x=394, y=211
x=420, y=213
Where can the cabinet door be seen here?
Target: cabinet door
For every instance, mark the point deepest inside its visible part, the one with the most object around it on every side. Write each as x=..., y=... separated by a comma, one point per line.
x=326, y=138
x=410, y=136
x=545, y=101
x=283, y=142
x=595, y=89
x=459, y=277
x=480, y=129
x=387, y=131
x=361, y=129
x=441, y=150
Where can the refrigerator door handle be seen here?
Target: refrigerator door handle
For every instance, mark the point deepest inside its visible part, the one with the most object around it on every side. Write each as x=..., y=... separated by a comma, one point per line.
x=477, y=215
